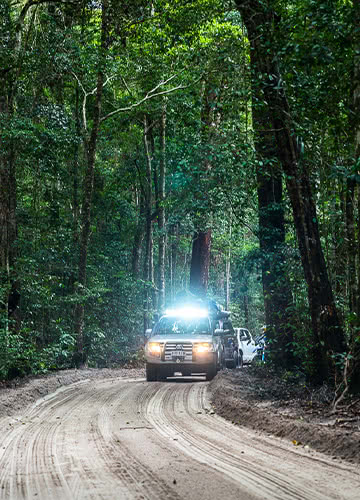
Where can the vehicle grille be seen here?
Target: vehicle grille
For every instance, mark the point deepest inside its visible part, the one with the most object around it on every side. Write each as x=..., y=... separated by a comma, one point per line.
x=170, y=347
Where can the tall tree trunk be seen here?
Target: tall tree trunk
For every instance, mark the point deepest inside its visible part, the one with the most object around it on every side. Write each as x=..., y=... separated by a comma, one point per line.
x=161, y=210
x=80, y=356
x=200, y=259
x=358, y=238
x=327, y=330
x=9, y=287
x=148, y=228
x=210, y=122
x=356, y=131
x=10, y=293
x=276, y=287
x=355, y=293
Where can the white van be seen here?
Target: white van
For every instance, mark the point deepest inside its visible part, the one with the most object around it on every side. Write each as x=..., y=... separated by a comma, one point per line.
x=240, y=348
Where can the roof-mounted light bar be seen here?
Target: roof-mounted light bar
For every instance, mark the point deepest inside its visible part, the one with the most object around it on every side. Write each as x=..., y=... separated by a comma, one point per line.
x=187, y=312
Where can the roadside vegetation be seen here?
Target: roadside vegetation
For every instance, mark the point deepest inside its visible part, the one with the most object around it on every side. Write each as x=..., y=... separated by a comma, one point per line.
x=152, y=147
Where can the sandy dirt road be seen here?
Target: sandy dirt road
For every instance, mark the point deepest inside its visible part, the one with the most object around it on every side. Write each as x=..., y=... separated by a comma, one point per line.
x=131, y=439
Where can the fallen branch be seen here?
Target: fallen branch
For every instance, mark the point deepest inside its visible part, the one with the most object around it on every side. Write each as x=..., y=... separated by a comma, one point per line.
x=344, y=383
x=354, y=403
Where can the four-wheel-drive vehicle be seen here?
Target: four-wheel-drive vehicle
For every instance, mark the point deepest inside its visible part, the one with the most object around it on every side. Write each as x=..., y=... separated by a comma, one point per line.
x=239, y=348
x=187, y=340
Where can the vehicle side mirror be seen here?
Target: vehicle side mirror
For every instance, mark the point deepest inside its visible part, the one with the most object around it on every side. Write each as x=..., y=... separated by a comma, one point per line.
x=148, y=333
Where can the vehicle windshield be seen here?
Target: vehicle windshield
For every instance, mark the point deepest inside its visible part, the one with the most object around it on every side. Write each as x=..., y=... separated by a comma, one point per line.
x=182, y=326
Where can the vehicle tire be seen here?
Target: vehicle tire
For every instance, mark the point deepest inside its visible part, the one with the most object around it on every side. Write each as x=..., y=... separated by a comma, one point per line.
x=220, y=361
x=236, y=358
x=232, y=363
x=211, y=372
x=223, y=363
x=151, y=372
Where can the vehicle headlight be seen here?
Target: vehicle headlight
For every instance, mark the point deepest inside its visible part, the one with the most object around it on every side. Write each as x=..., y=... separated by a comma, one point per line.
x=154, y=348
x=203, y=347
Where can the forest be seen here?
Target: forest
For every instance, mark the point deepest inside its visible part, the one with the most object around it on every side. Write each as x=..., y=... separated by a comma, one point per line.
x=149, y=147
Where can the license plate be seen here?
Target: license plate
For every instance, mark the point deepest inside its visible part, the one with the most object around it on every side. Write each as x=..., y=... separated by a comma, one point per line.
x=178, y=354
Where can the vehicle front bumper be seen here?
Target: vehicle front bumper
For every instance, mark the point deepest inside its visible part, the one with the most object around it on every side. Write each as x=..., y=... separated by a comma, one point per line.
x=196, y=360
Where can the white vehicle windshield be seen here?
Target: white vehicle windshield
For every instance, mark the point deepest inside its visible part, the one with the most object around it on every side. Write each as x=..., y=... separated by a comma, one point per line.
x=182, y=326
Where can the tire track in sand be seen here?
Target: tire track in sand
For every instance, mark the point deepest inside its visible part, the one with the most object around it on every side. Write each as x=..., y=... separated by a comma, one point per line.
x=65, y=448
x=181, y=412
x=76, y=444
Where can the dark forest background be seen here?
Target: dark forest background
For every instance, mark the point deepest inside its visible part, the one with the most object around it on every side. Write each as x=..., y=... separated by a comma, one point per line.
x=151, y=147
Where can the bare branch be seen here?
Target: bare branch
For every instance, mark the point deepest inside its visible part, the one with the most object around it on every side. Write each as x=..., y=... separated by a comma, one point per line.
x=148, y=96
x=86, y=94
x=343, y=385
x=126, y=85
x=150, y=127
x=161, y=84
x=84, y=100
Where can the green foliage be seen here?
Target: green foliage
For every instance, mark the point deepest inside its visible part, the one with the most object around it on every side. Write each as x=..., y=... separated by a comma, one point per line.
x=201, y=47
x=21, y=354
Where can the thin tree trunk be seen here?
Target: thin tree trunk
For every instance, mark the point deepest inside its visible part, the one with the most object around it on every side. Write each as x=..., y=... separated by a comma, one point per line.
x=173, y=252
x=75, y=195
x=351, y=244
x=138, y=238
x=228, y=270
x=161, y=216
x=75, y=172
x=148, y=228
x=246, y=307
x=80, y=356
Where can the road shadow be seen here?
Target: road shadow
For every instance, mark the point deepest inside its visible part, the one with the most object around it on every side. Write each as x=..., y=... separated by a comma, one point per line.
x=179, y=379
